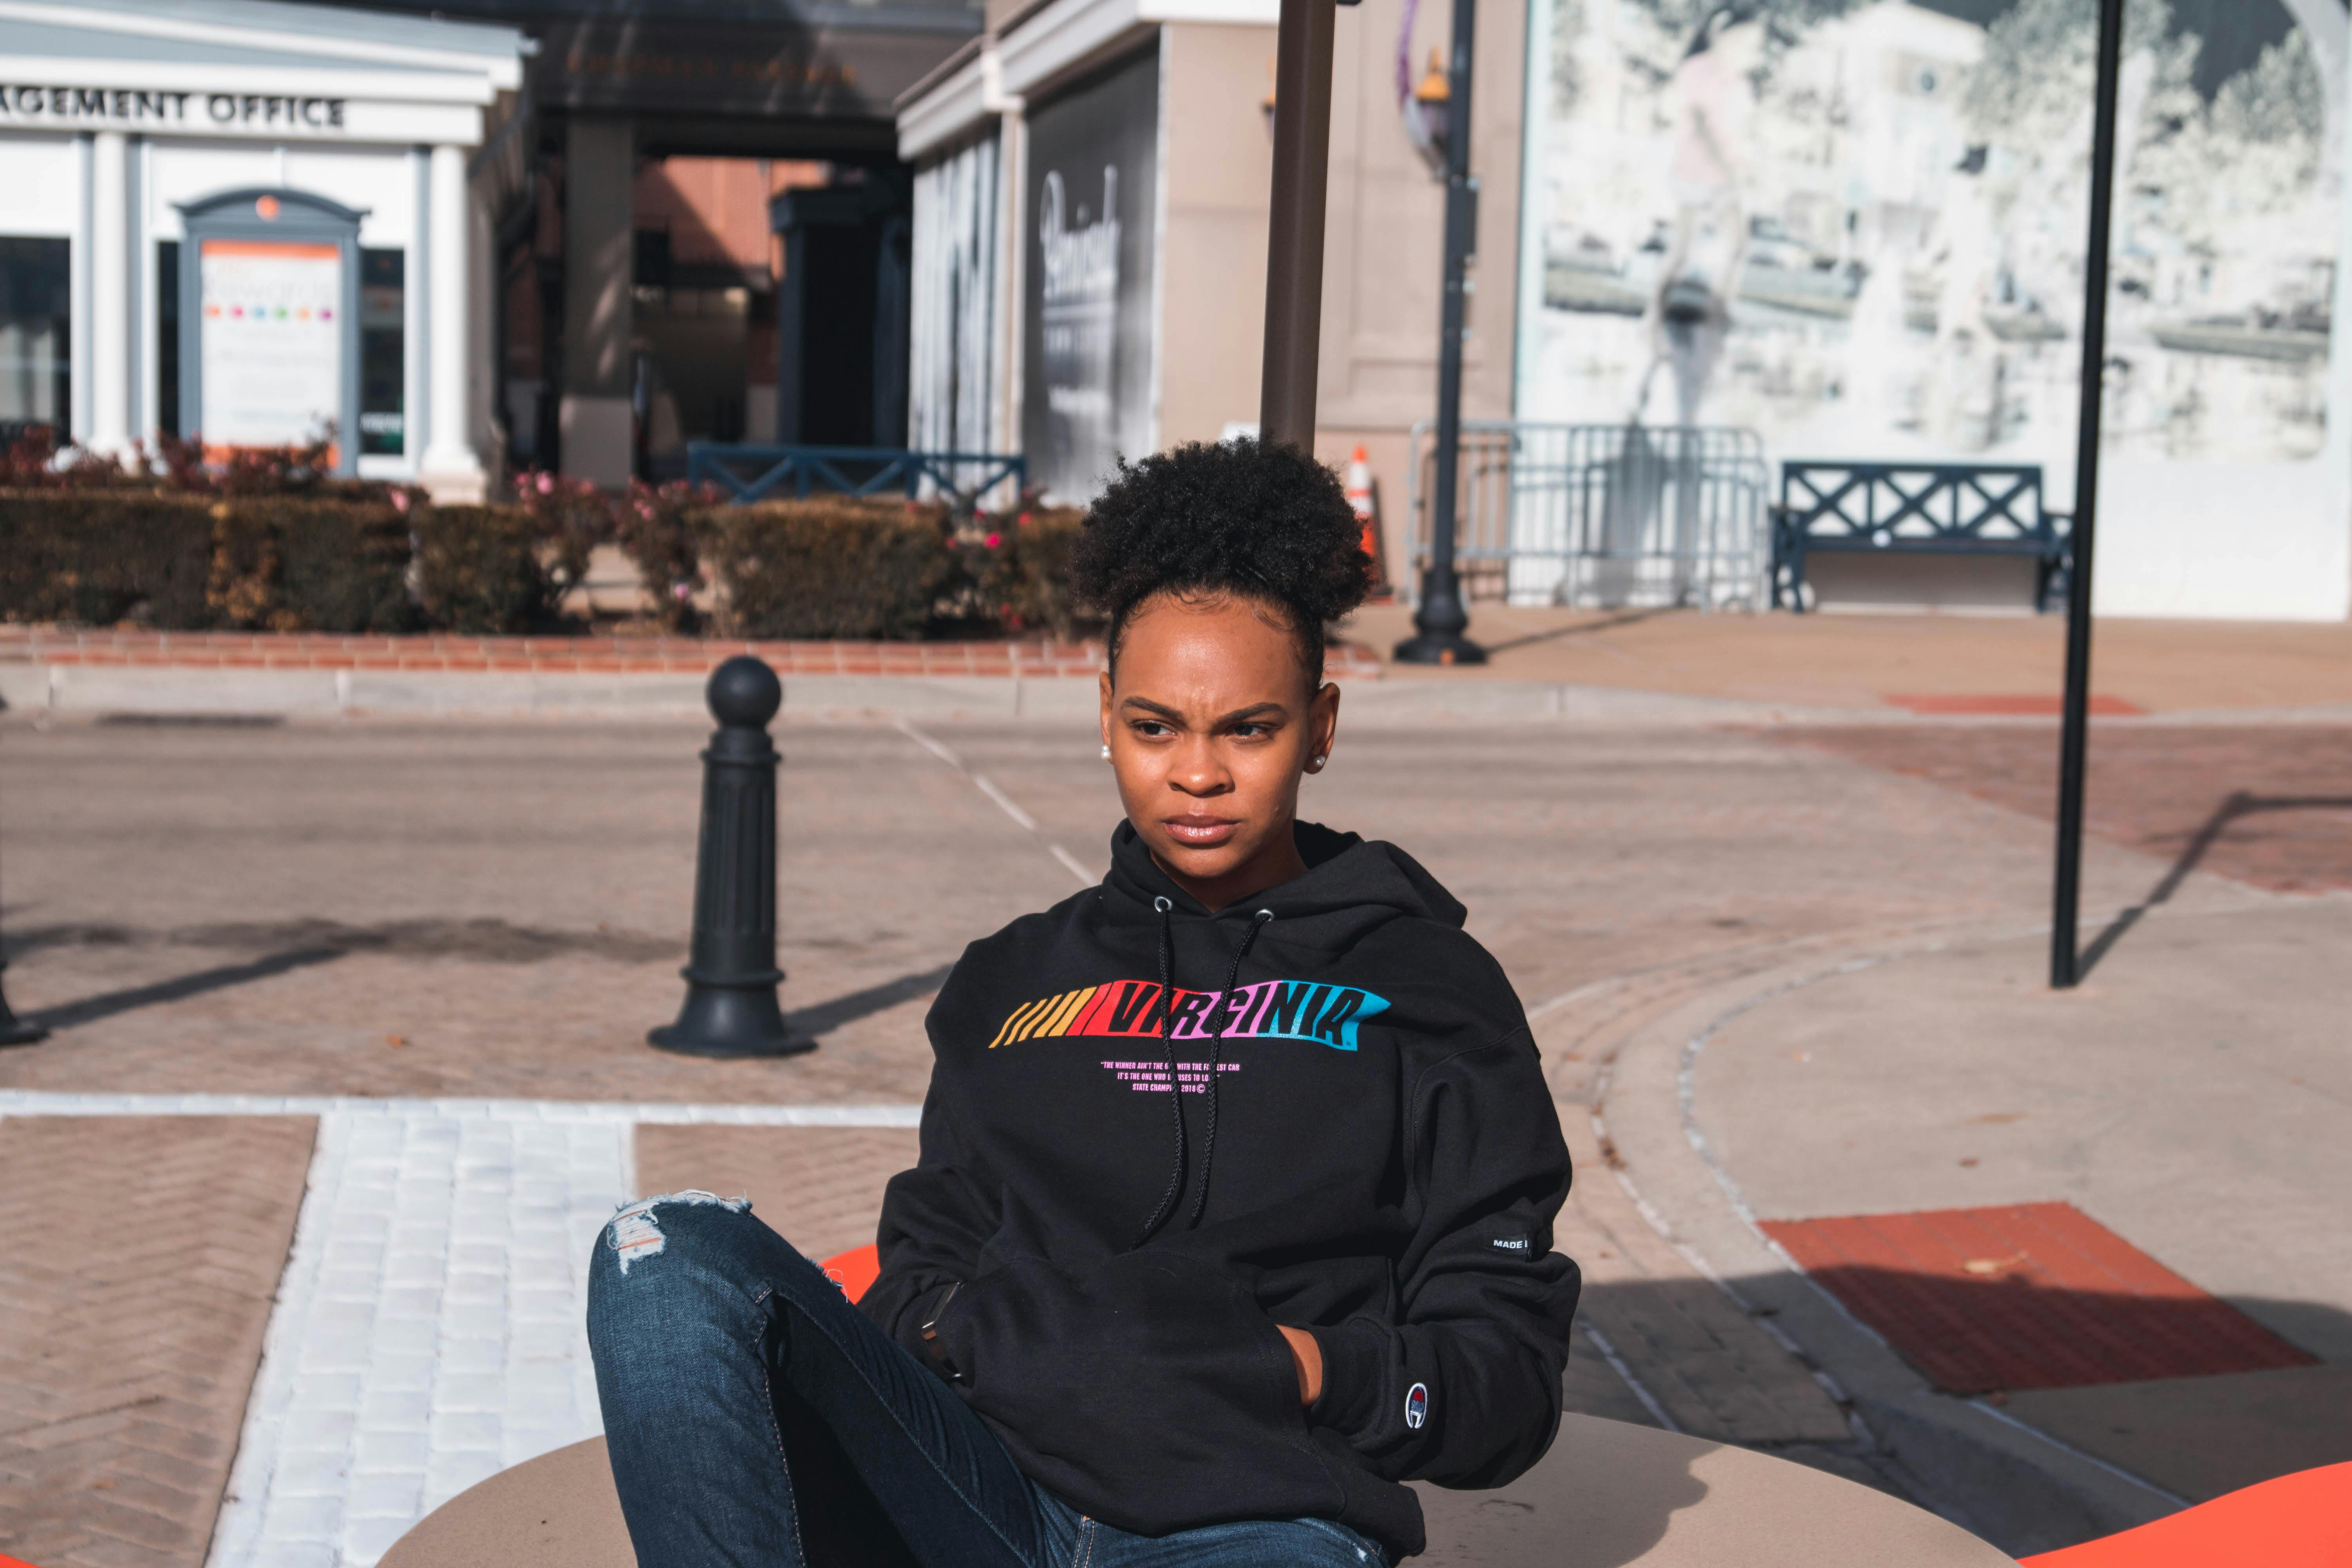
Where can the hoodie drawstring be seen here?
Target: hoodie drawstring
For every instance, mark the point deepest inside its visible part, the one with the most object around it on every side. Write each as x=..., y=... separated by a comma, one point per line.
x=1209, y=1138
x=1168, y=1046
x=1175, y=1090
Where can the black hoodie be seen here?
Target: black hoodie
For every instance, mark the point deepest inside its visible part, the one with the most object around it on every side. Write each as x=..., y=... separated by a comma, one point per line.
x=1368, y=1150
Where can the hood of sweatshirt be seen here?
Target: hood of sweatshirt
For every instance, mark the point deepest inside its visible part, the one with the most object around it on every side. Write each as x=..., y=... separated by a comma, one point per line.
x=1155, y=1132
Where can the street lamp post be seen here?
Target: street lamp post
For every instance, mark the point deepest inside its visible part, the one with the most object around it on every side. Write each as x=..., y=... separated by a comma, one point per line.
x=1441, y=618
x=2074, y=739
x=1294, y=250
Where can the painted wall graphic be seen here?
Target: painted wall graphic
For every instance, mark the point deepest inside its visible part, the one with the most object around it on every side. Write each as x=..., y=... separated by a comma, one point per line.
x=272, y=342
x=1091, y=204
x=1856, y=227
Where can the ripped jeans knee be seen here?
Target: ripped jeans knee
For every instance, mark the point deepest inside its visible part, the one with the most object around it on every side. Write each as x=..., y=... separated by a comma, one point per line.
x=635, y=1233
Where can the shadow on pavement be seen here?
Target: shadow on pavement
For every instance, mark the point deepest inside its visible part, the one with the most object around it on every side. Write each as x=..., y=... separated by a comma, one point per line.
x=482, y=940
x=833, y=1015
x=1582, y=629
x=90, y=1009
x=2237, y=805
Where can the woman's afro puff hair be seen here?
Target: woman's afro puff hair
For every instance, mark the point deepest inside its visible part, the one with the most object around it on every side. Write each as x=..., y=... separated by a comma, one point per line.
x=1260, y=521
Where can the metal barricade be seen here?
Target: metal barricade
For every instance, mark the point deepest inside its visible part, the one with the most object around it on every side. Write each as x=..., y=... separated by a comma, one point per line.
x=748, y=473
x=1602, y=516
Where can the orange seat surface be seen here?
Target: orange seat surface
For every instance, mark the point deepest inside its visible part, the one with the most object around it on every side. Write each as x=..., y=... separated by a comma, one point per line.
x=853, y=1270
x=2301, y=1520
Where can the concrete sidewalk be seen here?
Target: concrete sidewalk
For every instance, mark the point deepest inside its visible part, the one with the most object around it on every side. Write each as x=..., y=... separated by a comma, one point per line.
x=1864, y=662
x=2193, y=1097
x=1645, y=667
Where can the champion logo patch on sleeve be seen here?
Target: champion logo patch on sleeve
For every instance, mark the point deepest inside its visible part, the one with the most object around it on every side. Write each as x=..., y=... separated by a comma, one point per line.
x=1416, y=1406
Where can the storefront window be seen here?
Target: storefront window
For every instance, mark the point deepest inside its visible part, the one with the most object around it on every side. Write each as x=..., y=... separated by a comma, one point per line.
x=383, y=369
x=36, y=331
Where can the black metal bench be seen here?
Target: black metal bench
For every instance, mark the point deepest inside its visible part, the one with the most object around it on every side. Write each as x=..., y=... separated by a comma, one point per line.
x=1924, y=508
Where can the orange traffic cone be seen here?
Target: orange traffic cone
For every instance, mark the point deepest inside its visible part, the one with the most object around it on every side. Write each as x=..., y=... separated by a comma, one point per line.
x=1360, y=497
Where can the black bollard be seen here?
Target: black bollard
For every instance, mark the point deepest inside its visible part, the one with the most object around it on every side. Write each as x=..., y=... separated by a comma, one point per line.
x=731, y=975
x=14, y=1031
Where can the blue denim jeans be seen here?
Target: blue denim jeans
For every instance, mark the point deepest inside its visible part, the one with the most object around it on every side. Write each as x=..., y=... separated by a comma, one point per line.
x=757, y=1419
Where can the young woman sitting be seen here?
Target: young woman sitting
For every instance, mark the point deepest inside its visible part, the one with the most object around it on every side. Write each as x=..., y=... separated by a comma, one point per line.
x=1238, y=1171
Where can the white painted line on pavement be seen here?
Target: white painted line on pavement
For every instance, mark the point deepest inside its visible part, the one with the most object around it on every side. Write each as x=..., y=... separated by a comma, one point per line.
x=929, y=744
x=1626, y=1376
x=57, y=1102
x=1005, y=803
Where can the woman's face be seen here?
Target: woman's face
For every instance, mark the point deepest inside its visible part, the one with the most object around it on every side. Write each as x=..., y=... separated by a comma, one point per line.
x=1211, y=724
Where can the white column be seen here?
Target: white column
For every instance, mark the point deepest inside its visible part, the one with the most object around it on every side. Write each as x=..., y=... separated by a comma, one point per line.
x=110, y=293
x=450, y=469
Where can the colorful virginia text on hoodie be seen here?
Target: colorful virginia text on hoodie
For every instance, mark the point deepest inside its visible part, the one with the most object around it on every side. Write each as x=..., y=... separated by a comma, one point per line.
x=1354, y=1138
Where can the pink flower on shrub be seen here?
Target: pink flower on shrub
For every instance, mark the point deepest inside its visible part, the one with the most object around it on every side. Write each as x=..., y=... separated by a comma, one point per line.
x=547, y=484
x=682, y=592
x=400, y=503
x=994, y=539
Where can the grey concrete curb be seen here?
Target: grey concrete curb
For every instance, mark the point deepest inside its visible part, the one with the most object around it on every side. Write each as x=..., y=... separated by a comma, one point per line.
x=193, y=691
x=2021, y=1489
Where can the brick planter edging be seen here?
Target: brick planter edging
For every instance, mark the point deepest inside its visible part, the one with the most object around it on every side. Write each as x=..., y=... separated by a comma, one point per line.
x=602, y=656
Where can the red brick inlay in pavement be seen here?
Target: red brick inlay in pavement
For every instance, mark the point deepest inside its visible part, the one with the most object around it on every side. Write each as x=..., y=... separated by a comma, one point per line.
x=605, y=656
x=141, y=1260
x=2016, y=705
x=2026, y=1296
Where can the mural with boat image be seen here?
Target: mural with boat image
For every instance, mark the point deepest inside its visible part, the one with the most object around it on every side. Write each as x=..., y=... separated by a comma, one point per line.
x=1855, y=228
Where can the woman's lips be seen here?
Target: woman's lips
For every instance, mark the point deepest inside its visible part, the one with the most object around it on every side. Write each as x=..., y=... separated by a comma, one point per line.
x=1198, y=832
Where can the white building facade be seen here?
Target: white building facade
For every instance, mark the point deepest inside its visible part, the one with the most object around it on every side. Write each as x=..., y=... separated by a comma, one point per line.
x=254, y=223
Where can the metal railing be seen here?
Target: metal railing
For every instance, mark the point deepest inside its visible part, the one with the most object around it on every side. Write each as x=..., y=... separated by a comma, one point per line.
x=751, y=473
x=1601, y=516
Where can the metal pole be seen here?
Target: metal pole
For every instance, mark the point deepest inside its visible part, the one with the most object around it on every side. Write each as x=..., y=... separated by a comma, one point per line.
x=14, y=1031
x=1441, y=618
x=730, y=973
x=2074, y=732
x=1293, y=248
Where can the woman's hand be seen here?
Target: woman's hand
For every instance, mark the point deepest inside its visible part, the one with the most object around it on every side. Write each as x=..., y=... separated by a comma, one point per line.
x=1308, y=1356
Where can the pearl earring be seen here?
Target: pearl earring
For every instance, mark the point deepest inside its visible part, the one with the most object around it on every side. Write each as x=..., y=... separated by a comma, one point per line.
x=1105, y=751
x=1320, y=761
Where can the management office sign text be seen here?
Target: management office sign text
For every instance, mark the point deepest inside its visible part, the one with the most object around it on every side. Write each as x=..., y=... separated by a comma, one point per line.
x=26, y=104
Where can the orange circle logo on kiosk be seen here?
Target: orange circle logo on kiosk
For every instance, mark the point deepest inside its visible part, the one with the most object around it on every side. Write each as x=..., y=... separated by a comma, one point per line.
x=265, y=209
x=1416, y=1406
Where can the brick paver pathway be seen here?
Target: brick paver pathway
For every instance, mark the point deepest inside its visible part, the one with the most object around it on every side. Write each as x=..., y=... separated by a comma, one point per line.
x=476, y=910
x=143, y=1259
x=2266, y=804
x=820, y=1189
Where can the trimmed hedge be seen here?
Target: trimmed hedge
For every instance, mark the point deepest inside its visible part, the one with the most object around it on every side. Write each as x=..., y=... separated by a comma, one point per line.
x=1021, y=573
x=479, y=571
x=290, y=563
x=827, y=567
x=831, y=567
x=174, y=561
x=102, y=556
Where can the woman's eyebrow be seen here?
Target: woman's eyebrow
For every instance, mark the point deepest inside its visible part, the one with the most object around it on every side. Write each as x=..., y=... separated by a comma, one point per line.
x=1240, y=715
x=1148, y=706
